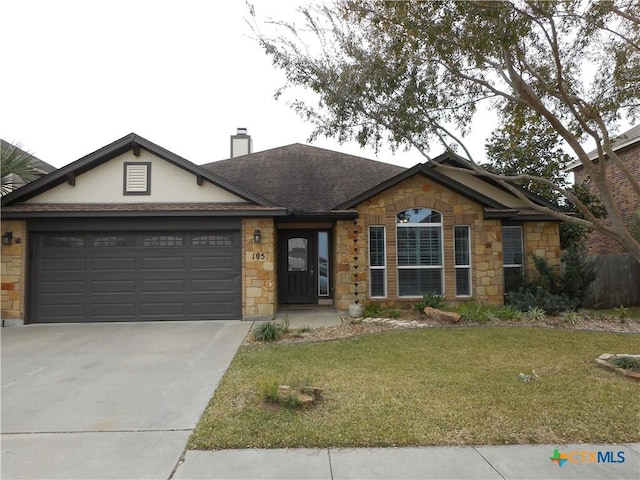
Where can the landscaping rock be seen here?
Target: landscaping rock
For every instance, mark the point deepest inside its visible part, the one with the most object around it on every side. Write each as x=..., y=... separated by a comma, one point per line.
x=307, y=398
x=441, y=315
x=604, y=361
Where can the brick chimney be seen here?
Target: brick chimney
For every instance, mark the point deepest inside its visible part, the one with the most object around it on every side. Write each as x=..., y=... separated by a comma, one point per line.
x=241, y=143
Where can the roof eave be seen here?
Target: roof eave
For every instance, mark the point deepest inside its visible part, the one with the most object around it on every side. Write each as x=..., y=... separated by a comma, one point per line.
x=18, y=215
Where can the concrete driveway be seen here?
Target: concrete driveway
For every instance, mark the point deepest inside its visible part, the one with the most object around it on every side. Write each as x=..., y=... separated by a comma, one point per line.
x=114, y=400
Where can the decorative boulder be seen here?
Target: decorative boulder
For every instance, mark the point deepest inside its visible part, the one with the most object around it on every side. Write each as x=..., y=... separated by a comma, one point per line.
x=441, y=315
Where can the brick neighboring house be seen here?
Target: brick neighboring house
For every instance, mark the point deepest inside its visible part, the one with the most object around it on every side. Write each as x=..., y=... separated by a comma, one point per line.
x=134, y=232
x=627, y=146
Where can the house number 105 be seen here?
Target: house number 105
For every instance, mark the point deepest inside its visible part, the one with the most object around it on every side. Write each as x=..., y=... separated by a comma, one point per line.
x=259, y=256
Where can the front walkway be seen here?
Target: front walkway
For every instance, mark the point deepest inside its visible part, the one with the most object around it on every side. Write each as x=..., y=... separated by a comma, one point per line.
x=309, y=317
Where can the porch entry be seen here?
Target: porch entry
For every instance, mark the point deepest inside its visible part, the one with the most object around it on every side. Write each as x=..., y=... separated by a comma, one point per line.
x=303, y=266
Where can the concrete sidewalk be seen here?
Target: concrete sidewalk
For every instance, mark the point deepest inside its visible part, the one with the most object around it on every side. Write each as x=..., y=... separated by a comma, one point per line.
x=483, y=462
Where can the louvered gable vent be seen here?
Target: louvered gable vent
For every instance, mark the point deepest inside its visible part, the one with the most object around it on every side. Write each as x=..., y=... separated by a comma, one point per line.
x=136, y=178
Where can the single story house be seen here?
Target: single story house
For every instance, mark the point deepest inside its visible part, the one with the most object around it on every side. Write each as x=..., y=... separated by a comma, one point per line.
x=134, y=232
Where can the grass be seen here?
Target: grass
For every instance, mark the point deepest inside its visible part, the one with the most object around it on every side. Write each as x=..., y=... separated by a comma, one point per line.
x=430, y=387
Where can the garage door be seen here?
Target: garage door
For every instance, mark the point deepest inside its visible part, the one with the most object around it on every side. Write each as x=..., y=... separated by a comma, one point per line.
x=135, y=276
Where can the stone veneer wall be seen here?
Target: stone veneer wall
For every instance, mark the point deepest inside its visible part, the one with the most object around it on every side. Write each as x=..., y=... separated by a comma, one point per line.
x=543, y=240
x=343, y=254
x=14, y=272
x=259, y=284
x=486, y=243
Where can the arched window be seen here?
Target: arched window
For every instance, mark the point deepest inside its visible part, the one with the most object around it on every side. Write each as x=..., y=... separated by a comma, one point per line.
x=419, y=244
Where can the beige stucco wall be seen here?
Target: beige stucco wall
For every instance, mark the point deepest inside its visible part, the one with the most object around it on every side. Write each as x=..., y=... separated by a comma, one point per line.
x=259, y=286
x=487, y=285
x=12, y=293
x=104, y=184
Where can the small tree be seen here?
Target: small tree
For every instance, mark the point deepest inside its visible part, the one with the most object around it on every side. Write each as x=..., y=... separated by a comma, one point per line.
x=16, y=166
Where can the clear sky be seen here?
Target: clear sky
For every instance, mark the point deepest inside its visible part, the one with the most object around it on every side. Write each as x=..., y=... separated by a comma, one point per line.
x=79, y=74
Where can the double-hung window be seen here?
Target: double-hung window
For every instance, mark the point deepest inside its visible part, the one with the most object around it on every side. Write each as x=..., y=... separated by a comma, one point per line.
x=512, y=258
x=419, y=249
x=462, y=252
x=377, y=262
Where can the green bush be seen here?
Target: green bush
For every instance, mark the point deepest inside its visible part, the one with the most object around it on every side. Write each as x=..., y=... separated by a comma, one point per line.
x=373, y=310
x=571, y=317
x=535, y=314
x=621, y=312
x=525, y=300
x=394, y=313
x=508, y=312
x=268, y=332
x=579, y=273
x=268, y=390
x=554, y=291
x=429, y=300
x=472, y=312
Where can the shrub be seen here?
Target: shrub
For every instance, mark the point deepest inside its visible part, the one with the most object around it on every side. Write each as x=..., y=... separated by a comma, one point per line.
x=268, y=390
x=552, y=304
x=555, y=291
x=627, y=362
x=579, y=273
x=621, y=312
x=535, y=314
x=394, y=313
x=475, y=312
x=508, y=312
x=429, y=300
x=286, y=324
x=571, y=317
x=373, y=310
x=268, y=332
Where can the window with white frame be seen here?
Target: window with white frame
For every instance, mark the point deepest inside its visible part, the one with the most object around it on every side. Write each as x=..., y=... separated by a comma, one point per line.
x=462, y=253
x=377, y=262
x=419, y=249
x=512, y=257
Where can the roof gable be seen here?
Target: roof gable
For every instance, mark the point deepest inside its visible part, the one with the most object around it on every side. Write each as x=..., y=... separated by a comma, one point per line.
x=489, y=194
x=134, y=146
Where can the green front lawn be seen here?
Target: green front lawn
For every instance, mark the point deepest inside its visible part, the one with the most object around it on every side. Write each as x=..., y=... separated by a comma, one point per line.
x=430, y=387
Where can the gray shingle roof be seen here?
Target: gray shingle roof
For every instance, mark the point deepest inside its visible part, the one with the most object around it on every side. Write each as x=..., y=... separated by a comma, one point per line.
x=622, y=140
x=303, y=178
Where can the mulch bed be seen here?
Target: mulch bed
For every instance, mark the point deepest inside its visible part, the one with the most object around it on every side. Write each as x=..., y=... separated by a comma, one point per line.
x=351, y=328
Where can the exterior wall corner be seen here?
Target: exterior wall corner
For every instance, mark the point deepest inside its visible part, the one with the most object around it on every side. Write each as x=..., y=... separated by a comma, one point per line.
x=14, y=264
x=259, y=272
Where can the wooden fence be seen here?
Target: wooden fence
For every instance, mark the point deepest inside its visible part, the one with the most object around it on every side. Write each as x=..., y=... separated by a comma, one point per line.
x=618, y=282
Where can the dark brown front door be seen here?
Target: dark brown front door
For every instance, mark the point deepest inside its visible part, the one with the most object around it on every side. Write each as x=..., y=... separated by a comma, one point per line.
x=297, y=266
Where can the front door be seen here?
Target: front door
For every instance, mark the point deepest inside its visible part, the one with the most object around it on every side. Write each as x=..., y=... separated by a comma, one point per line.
x=297, y=266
